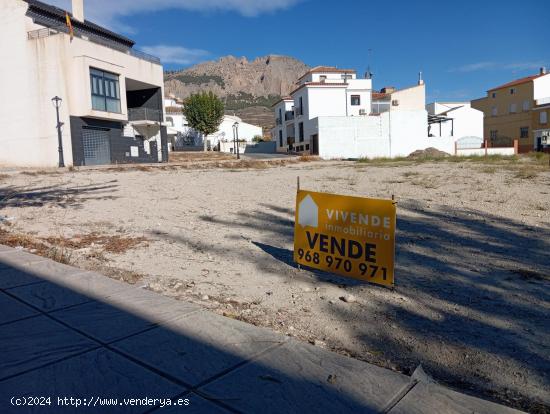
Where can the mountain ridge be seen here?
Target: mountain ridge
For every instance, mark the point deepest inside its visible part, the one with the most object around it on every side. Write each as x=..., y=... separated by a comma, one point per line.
x=241, y=83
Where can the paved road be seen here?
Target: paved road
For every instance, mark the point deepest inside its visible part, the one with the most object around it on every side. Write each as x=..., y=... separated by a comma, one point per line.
x=66, y=333
x=260, y=156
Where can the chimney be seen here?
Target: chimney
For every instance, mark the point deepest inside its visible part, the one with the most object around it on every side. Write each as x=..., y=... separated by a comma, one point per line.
x=420, y=80
x=78, y=9
x=543, y=70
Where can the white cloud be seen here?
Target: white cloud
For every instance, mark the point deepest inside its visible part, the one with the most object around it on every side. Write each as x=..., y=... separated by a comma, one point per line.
x=176, y=54
x=109, y=12
x=473, y=67
x=488, y=65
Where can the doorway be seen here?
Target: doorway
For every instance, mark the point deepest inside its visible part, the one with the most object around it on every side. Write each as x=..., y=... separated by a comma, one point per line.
x=96, y=143
x=315, y=144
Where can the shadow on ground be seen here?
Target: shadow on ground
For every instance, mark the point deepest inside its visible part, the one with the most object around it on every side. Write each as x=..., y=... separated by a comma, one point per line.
x=59, y=342
x=55, y=195
x=477, y=288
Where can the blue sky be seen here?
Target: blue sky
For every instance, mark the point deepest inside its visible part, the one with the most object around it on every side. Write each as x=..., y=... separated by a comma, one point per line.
x=462, y=47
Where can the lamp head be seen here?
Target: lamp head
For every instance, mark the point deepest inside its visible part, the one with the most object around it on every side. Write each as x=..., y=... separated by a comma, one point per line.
x=56, y=100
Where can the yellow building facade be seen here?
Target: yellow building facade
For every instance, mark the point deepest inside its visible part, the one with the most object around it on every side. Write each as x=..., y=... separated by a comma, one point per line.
x=512, y=111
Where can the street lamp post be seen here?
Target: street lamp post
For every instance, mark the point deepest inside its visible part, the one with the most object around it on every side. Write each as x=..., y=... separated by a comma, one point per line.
x=236, y=138
x=56, y=100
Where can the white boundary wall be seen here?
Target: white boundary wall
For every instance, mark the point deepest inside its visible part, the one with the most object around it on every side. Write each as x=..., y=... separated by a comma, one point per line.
x=392, y=134
x=481, y=151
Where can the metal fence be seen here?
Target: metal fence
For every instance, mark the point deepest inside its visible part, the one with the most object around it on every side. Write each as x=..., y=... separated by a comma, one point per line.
x=144, y=114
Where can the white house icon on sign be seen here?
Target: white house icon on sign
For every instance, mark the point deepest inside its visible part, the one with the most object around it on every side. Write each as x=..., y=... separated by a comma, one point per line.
x=308, y=212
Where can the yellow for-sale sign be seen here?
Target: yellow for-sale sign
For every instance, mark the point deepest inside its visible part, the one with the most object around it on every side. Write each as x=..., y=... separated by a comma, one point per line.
x=351, y=236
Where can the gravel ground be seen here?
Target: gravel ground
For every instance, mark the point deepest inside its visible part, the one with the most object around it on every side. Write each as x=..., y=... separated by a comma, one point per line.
x=473, y=258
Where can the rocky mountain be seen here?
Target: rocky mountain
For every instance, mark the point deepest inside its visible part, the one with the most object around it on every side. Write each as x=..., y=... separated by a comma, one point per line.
x=248, y=88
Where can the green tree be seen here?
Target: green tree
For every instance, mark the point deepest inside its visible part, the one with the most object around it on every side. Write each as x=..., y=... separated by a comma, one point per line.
x=204, y=112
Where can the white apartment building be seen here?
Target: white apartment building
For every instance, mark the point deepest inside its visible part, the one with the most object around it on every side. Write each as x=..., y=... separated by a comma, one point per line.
x=334, y=114
x=454, y=119
x=181, y=136
x=111, y=109
x=323, y=91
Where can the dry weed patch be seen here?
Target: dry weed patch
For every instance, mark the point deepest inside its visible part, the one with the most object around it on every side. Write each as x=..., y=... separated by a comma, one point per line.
x=109, y=243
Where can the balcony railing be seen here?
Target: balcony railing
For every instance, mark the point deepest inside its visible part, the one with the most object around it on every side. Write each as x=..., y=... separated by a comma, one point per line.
x=144, y=114
x=380, y=107
x=50, y=31
x=289, y=115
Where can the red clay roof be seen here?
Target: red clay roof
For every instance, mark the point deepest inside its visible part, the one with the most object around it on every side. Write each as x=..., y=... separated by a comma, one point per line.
x=517, y=82
x=329, y=69
x=379, y=95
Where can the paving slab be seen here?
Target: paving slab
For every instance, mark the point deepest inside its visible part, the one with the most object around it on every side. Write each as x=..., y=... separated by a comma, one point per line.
x=197, y=405
x=433, y=398
x=48, y=296
x=98, y=374
x=5, y=249
x=9, y=258
x=12, y=277
x=200, y=346
x=301, y=378
x=123, y=314
x=102, y=321
x=33, y=342
x=12, y=309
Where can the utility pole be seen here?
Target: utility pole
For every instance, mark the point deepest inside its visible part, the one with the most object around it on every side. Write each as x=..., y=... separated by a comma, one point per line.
x=56, y=100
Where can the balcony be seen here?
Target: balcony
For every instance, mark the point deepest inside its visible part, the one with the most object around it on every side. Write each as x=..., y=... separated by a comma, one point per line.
x=289, y=115
x=278, y=121
x=51, y=31
x=145, y=116
x=378, y=107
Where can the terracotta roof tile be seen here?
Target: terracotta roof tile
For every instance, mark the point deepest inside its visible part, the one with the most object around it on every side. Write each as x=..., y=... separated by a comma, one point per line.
x=379, y=95
x=518, y=82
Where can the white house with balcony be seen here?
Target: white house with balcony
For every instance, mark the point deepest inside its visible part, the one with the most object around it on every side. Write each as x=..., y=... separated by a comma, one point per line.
x=333, y=114
x=183, y=137
x=111, y=106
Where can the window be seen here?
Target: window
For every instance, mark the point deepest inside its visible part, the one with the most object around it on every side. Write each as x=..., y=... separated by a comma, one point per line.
x=322, y=78
x=105, y=91
x=307, y=147
x=526, y=105
x=280, y=138
x=494, y=111
x=301, y=106
x=512, y=91
x=355, y=100
x=524, y=132
x=513, y=108
x=494, y=95
x=543, y=117
x=346, y=76
x=301, y=131
x=493, y=134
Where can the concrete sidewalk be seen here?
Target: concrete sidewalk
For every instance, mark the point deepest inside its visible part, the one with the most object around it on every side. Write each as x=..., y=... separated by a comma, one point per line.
x=66, y=333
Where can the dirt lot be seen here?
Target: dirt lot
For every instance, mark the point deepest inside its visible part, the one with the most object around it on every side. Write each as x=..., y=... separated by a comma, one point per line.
x=473, y=257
